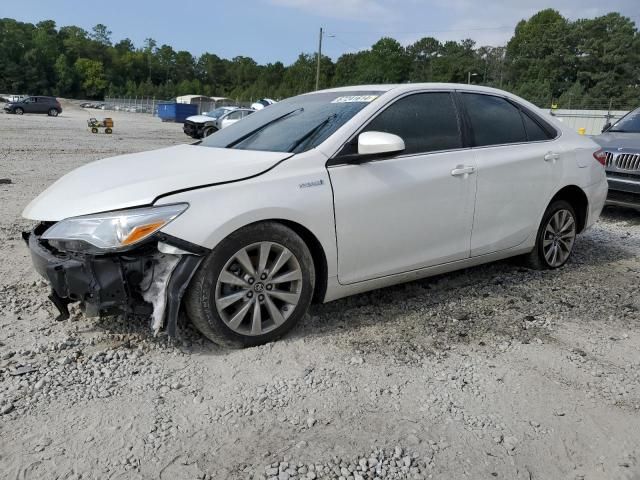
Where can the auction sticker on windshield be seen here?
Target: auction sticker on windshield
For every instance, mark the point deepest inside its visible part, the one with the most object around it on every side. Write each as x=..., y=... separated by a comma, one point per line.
x=355, y=99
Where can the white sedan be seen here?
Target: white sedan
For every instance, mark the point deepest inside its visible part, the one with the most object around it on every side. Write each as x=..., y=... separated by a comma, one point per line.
x=317, y=197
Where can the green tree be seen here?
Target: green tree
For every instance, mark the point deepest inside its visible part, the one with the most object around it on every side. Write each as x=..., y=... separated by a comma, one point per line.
x=423, y=55
x=543, y=50
x=92, y=78
x=101, y=34
x=65, y=76
x=386, y=62
x=586, y=62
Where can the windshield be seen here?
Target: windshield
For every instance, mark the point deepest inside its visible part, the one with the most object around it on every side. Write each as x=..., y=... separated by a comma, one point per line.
x=294, y=125
x=217, y=113
x=630, y=123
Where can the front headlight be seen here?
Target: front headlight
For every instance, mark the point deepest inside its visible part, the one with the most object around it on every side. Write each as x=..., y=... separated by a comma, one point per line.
x=111, y=230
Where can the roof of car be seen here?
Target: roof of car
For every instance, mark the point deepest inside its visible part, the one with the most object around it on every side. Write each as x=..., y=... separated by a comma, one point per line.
x=413, y=86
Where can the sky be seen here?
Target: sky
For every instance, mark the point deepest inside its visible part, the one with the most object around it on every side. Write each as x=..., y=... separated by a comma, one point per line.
x=279, y=30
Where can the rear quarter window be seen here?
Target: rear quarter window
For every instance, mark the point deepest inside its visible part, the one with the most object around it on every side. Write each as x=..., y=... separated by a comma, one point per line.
x=535, y=132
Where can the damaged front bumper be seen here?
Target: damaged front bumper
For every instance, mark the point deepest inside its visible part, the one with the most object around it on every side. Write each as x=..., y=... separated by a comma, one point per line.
x=192, y=129
x=149, y=280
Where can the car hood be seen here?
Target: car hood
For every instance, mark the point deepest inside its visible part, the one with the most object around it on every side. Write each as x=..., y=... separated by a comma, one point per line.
x=201, y=118
x=139, y=178
x=614, y=141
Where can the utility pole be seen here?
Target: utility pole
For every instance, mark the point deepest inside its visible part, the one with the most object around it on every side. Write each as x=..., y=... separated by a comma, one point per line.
x=319, y=57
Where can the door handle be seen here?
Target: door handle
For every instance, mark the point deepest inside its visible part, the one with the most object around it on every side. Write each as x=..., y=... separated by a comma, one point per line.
x=551, y=156
x=462, y=170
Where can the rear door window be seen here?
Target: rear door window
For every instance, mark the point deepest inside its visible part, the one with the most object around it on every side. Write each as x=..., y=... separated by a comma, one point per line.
x=427, y=122
x=494, y=121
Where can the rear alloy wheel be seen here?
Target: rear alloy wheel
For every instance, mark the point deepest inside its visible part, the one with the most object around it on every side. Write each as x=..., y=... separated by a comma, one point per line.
x=253, y=287
x=556, y=237
x=18, y=111
x=53, y=112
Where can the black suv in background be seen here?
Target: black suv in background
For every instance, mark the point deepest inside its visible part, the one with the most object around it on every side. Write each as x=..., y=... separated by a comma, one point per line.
x=48, y=105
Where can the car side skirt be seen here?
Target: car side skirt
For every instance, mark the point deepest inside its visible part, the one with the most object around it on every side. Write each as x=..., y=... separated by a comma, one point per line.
x=335, y=290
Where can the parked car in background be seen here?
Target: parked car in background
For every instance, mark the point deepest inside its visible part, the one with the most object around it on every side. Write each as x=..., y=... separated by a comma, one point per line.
x=37, y=104
x=621, y=144
x=317, y=197
x=260, y=104
x=14, y=98
x=200, y=126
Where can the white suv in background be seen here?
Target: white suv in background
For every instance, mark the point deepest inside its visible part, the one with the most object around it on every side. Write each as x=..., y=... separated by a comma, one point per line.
x=317, y=197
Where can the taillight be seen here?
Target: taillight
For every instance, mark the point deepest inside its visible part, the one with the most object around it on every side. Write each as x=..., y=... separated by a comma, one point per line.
x=600, y=156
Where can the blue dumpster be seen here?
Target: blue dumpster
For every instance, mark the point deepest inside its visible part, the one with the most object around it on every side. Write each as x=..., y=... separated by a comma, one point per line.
x=176, y=112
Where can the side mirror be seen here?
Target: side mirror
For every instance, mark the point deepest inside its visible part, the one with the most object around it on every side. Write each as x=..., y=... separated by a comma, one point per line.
x=606, y=127
x=379, y=143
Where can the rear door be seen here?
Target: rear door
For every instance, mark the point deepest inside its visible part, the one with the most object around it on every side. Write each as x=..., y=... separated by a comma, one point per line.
x=42, y=104
x=516, y=159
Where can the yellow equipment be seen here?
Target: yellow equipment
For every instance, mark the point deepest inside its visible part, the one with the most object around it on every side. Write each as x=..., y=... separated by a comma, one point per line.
x=95, y=125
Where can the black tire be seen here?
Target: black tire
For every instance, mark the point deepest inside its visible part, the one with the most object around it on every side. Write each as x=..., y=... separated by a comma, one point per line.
x=53, y=112
x=108, y=131
x=208, y=131
x=18, y=111
x=94, y=130
x=537, y=259
x=200, y=296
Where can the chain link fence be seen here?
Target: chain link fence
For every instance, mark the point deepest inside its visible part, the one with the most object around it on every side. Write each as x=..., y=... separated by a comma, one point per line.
x=132, y=104
x=584, y=116
x=149, y=105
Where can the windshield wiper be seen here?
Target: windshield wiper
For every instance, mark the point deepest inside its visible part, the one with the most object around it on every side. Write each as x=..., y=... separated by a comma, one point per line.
x=262, y=127
x=311, y=132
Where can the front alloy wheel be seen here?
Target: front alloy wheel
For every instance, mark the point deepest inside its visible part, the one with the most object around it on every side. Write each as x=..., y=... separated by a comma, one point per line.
x=253, y=287
x=258, y=288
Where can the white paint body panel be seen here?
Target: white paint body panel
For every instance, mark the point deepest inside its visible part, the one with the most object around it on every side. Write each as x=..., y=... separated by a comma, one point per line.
x=401, y=214
x=394, y=220
x=514, y=184
x=139, y=178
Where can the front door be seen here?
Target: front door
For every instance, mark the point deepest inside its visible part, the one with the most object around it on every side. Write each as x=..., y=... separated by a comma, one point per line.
x=30, y=105
x=413, y=210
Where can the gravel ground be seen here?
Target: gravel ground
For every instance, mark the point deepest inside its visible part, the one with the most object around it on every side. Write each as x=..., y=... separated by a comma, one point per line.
x=492, y=372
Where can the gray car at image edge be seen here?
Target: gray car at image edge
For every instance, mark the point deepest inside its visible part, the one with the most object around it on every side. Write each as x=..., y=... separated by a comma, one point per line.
x=37, y=104
x=621, y=143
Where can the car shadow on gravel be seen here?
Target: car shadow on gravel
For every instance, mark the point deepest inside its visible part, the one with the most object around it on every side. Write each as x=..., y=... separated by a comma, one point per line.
x=621, y=214
x=488, y=305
